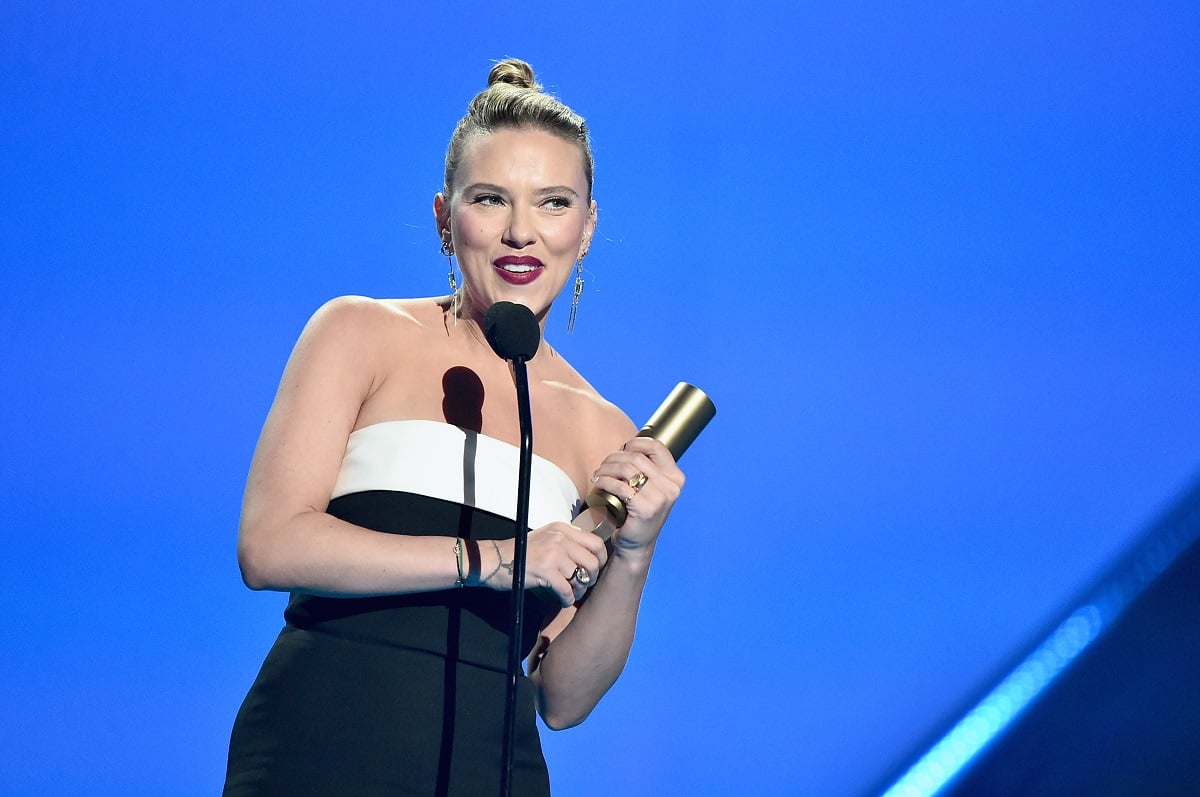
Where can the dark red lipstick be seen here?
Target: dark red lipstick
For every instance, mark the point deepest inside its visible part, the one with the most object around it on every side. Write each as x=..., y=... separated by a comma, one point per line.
x=518, y=270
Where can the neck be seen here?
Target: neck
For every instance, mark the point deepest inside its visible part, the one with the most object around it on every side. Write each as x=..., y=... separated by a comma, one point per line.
x=459, y=311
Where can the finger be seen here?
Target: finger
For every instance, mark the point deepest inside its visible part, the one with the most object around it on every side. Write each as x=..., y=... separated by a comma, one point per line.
x=588, y=544
x=584, y=547
x=561, y=586
x=586, y=555
x=586, y=565
x=627, y=479
x=581, y=582
x=633, y=469
x=657, y=453
x=649, y=447
x=580, y=579
x=643, y=456
x=624, y=460
x=617, y=486
x=550, y=560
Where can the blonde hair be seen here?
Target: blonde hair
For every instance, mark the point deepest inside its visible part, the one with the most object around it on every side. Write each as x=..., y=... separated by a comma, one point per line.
x=514, y=98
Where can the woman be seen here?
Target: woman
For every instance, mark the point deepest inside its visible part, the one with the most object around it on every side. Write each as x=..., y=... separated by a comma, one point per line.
x=382, y=494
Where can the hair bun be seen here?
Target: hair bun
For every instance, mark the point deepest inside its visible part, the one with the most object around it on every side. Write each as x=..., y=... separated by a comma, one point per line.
x=514, y=72
x=515, y=100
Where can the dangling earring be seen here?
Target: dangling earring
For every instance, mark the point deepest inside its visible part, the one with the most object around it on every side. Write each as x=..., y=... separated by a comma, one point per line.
x=448, y=251
x=575, y=296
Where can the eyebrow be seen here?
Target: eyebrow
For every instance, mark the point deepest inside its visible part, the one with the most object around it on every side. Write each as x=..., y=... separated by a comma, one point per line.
x=558, y=189
x=551, y=189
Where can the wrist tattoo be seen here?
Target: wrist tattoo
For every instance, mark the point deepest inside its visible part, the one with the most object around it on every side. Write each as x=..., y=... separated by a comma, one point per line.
x=499, y=563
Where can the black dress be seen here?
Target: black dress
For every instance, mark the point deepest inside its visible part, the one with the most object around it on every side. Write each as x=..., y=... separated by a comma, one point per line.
x=403, y=694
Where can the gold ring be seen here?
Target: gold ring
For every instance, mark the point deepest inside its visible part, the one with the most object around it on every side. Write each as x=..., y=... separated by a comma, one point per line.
x=638, y=481
x=583, y=576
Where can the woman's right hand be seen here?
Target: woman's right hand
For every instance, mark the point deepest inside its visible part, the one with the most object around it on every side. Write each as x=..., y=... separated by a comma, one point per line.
x=553, y=554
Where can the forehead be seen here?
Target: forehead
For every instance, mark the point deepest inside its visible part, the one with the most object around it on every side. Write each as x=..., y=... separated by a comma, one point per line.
x=521, y=156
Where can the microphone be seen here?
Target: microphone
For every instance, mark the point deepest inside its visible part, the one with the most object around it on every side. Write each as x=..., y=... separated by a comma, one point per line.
x=676, y=423
x=512, y=331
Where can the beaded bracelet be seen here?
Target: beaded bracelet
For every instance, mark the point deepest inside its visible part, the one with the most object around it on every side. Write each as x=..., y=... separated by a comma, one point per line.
x=458, y=555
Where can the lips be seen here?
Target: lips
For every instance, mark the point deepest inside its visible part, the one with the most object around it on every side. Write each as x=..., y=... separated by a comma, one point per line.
x=518, y=270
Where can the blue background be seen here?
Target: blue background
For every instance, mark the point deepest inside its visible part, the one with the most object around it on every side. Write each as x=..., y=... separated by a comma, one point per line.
x=936, y=264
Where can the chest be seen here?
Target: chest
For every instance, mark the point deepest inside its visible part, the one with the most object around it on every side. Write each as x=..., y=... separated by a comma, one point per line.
x=481, y=397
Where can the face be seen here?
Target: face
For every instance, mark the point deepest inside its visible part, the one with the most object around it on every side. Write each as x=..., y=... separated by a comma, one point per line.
x=519, y=218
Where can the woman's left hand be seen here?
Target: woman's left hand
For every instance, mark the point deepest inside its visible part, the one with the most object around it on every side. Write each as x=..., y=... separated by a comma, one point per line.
x=643, y=474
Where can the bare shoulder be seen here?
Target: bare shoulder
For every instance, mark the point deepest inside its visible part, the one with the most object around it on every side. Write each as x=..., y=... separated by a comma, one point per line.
x=361, y=324
x=598, y=425
x=362, y=313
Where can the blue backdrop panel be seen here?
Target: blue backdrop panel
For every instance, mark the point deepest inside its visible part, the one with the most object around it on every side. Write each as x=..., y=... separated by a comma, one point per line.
x=935, y=265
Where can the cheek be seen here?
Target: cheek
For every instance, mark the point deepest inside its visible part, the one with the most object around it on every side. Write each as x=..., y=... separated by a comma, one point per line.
x=569, y=238
x=473, y=230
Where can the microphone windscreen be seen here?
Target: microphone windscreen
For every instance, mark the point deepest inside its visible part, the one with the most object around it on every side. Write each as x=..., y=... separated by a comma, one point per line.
x=512, y=331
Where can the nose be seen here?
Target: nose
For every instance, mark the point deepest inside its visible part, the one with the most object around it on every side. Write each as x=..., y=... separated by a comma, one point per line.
x=520, y=232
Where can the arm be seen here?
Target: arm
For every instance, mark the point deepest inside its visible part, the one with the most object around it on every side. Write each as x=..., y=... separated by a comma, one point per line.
x=589, y=643
x=286, y=541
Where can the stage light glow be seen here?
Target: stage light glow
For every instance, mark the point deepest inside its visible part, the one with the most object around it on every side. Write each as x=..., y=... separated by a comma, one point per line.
x=995, y=712
x=950, y=756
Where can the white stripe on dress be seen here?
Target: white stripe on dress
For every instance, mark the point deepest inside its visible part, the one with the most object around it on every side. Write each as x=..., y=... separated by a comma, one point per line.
x=443, y=461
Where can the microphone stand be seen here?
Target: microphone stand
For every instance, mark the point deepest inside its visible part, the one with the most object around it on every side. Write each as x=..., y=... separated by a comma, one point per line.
x=517, y=599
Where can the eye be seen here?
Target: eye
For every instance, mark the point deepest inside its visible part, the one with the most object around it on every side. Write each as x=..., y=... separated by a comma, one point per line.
x=487, y=199
x=557, y=203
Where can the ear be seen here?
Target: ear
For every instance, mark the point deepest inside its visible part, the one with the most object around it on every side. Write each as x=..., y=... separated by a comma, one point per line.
x=441, y=216
x=588, y=231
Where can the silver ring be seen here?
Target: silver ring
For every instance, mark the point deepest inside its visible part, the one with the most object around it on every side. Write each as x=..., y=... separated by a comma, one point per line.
x=582, y=576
